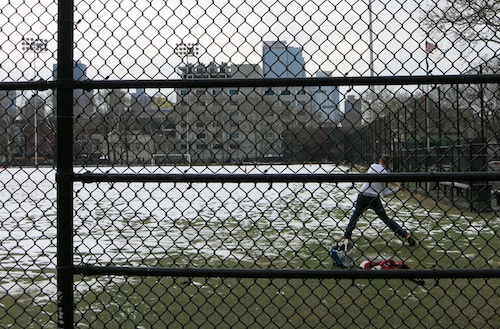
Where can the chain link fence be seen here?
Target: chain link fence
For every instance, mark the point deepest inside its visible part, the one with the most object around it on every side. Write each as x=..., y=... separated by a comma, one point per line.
x=190, y=164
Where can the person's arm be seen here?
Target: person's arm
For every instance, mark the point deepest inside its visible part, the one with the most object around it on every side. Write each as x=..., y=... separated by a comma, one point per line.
x=389, y=191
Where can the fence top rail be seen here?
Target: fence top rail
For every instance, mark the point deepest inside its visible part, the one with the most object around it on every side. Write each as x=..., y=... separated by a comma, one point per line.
x=289, y=273
x=253, y=82
x=290, y=82
x=270, y=178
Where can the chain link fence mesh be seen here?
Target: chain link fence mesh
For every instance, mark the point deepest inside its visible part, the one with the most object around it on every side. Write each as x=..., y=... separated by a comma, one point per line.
x=202, y=135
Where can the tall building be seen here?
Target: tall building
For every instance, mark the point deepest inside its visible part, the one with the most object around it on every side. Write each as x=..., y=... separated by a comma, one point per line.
x=282, y=61
x=140, y=100
x=352, y=112
x=82, y=100
x=231, y=124
x=79, y=71
x=247, y=71
x=325, y=101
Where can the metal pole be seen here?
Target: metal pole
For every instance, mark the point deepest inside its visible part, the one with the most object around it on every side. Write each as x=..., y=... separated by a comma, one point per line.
x=370, y=29
x=64, y=88
x=457, y=142
x=482, y=105
x=427, y=121
x=427, y=114
x=370, y=64
x=36, y=46
x=185, y=50
x=36, y=111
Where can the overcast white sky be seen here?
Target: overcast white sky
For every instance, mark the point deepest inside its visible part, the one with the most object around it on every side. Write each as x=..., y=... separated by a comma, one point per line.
x=126, y=39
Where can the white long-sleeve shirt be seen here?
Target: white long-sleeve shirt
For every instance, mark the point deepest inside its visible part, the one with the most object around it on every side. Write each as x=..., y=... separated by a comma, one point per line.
x=375, y=189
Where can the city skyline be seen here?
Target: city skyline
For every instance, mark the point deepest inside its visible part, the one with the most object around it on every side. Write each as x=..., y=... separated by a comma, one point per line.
x=334, y=38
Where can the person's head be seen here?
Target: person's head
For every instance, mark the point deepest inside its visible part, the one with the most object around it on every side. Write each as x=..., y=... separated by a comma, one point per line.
x=385, y=160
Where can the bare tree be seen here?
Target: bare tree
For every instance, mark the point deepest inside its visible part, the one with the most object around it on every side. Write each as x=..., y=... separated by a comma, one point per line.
x=112, y=107
x=484, y=101
x=464, y=23
x=7, y=116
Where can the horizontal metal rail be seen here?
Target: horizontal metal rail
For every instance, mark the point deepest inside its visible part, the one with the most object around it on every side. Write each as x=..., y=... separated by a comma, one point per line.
x=284, y=178
x=283, y=82
x=264, y=82
x=90, y=270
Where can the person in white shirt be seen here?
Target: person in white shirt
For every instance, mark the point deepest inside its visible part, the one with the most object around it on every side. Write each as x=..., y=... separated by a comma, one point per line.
x=369, y=197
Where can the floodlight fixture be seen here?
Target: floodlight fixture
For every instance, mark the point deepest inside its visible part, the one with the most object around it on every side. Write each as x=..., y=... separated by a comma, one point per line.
x=187, y=49
x=35, y=45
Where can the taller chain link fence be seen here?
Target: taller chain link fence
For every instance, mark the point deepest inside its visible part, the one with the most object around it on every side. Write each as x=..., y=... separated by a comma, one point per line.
x=191, y=164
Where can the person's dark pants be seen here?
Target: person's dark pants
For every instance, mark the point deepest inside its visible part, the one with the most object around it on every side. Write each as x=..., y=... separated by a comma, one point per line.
x=364, y=202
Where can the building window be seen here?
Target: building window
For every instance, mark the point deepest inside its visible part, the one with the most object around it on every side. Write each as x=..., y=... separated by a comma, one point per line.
x=234, y=146
x=202, y=136
x=234, y=92
x=217, y=146
x=199, y=124
x=201, y=146
x=184, y=146
x=235, y=135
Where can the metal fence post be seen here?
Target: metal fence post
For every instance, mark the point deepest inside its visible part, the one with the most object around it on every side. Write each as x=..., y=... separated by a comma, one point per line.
x=64, y=109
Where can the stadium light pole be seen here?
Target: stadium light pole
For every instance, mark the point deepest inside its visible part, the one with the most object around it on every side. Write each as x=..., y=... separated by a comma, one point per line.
x=35, y=46
x=370, y=30
x=186, y=50
x=371, y=60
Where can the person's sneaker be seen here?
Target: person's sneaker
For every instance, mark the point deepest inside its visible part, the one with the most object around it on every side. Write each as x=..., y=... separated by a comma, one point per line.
x=410, y=239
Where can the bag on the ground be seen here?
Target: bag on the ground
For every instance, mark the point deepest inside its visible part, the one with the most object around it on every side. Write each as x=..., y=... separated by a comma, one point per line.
x=343, y=253
x=388, y=264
